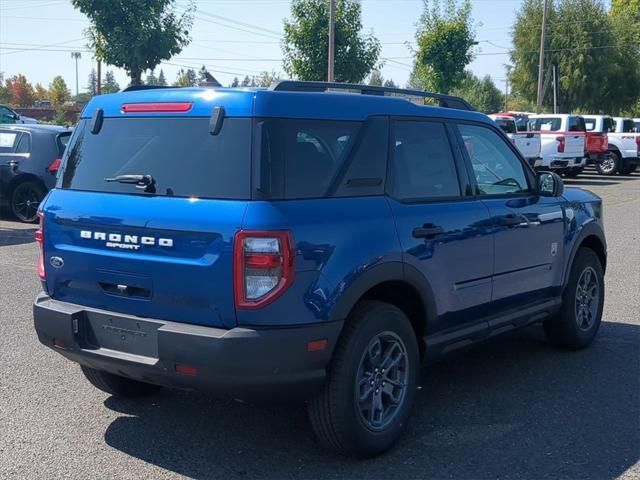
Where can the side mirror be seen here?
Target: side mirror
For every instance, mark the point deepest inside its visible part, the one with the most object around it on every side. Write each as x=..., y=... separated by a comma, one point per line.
x=550, y=184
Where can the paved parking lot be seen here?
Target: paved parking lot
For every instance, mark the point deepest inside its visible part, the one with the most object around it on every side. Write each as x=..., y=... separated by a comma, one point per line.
x=510, y=408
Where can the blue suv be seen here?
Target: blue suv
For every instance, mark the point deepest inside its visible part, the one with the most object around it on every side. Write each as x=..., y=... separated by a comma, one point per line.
x=310, y=241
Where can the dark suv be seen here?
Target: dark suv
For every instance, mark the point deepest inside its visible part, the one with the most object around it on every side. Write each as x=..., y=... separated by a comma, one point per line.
x=29, y=159
x=312, y=241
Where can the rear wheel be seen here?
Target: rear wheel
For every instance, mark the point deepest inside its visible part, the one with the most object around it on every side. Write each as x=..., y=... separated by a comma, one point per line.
x=610, y=164
x=371, y=383
x=25, y=199
x=578, y=321
x=117, y=385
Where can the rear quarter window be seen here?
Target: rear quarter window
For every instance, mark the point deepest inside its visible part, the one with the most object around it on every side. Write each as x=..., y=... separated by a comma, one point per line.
x=8, y=141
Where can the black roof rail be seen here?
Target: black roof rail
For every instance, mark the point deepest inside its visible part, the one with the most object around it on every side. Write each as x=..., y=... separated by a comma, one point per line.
x=133, y=88
x=446, y=101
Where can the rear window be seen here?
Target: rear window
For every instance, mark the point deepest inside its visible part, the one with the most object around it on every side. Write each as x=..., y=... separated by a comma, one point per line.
x=547, y=124
x=507, y=125
x=576, y=124
x=590, y=124
x=62, y=141
x=627, y=125
x=183, y=158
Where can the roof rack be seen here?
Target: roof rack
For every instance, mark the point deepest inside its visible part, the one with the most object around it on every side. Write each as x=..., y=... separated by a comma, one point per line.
x=446, y=101
x=133, y=88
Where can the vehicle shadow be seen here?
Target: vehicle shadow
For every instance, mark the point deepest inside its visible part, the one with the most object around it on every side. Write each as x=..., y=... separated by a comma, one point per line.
x=511, y=407
x=17, y=236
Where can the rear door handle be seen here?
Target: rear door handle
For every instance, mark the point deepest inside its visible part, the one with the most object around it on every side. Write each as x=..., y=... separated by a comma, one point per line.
x=428, y=230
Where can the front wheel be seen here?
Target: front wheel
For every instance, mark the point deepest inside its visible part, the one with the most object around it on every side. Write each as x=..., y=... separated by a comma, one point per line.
x=609, y=165
x=371, y=383
x=578, y=321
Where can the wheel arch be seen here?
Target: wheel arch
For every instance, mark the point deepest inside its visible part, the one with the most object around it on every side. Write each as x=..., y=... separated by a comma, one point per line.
x=398, y=284
x=592, y=237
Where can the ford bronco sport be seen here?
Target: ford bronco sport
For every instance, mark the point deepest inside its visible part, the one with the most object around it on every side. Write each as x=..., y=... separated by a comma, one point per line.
x=304, y=241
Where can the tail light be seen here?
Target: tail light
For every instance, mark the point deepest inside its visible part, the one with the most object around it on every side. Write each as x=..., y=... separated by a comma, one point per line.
x=39, y=236
x=560, y=141
x=263, y=267
x=638, y=144
x=55, y=165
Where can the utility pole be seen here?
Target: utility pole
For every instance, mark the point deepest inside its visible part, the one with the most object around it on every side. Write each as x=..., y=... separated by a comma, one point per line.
x=506, y=94
x=99, y=79
x=541, y=63
x=555, y=93
x=332, y=40
x=76, y=56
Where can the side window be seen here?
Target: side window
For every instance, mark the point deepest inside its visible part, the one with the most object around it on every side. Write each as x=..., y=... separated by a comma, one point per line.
x=422, y=165
x=7, y=141
x=576, y=124
x=24, y=144
x=6, y=114
x=497, y=169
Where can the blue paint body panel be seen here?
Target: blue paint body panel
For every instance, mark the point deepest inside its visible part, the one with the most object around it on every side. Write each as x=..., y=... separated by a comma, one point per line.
x=471, y=271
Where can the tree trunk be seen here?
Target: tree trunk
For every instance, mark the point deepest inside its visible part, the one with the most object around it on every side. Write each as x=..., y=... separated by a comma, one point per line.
x=136, y=77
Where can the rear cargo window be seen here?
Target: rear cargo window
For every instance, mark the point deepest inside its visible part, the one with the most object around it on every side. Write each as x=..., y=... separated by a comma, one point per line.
x=547, y=124
x=62, y=141
x=180, y=154
x=506, y=125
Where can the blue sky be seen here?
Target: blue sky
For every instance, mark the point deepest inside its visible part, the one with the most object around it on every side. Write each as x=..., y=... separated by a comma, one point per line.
x=231, y=37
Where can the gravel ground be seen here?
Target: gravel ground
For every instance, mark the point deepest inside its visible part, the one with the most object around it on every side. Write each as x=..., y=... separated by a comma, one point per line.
x=510, y=408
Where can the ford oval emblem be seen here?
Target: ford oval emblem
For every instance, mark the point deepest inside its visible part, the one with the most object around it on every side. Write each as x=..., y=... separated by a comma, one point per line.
x=56, y=262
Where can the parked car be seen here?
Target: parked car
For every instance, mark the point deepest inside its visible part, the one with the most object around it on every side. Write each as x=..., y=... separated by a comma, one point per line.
x=623, y=144
x=597, y=141
x=10, y=116
x=522, y=120
x=29, y=159
x=562, y=138
x=528, y=143
x=296, y=243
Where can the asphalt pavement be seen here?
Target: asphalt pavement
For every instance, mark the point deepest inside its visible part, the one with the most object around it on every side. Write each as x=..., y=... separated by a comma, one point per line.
x=513, y=407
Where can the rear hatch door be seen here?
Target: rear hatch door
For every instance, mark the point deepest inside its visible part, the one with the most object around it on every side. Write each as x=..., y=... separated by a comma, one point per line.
x=164, y=252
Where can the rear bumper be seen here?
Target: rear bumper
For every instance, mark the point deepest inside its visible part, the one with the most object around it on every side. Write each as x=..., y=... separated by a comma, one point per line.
x=241, y=362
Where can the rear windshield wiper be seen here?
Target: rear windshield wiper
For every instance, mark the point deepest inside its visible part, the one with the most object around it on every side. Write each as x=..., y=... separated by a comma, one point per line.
x=145, y=182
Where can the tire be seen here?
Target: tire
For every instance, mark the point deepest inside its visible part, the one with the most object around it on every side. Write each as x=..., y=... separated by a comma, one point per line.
x=25, y=199
x=117, y=385
x=628, y=169
x=340, y=421
x=610, y=165
x=573, y=172
x=578, y=321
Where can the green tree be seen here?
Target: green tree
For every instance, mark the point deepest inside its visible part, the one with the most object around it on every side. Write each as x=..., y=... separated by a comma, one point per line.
x=481, y=93
x=235, y=83
x=162, y=81
x=246, y=81
x=186, y=78
x=40, y=93
x=60, y=118
x=5, y=97
x=151, y=78
x=389, y=83
x=444, y=39
x=110, y=85
x=265, y=79
x=92, y=82
x=138, y=35
x=376, y=78
x=595, y=53
x=306, y=42
x=20, y=91
x=58, y=91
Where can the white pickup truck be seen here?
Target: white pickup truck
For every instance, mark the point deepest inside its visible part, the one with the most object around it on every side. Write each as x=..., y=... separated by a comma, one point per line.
x=562, y=138
x=528, y=143
x=624, y=143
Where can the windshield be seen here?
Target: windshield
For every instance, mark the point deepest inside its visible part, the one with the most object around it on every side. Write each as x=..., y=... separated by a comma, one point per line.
x=179, y=154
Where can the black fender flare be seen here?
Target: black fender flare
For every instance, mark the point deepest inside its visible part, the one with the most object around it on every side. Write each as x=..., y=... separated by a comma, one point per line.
x=385, y=272
x=586, y=230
